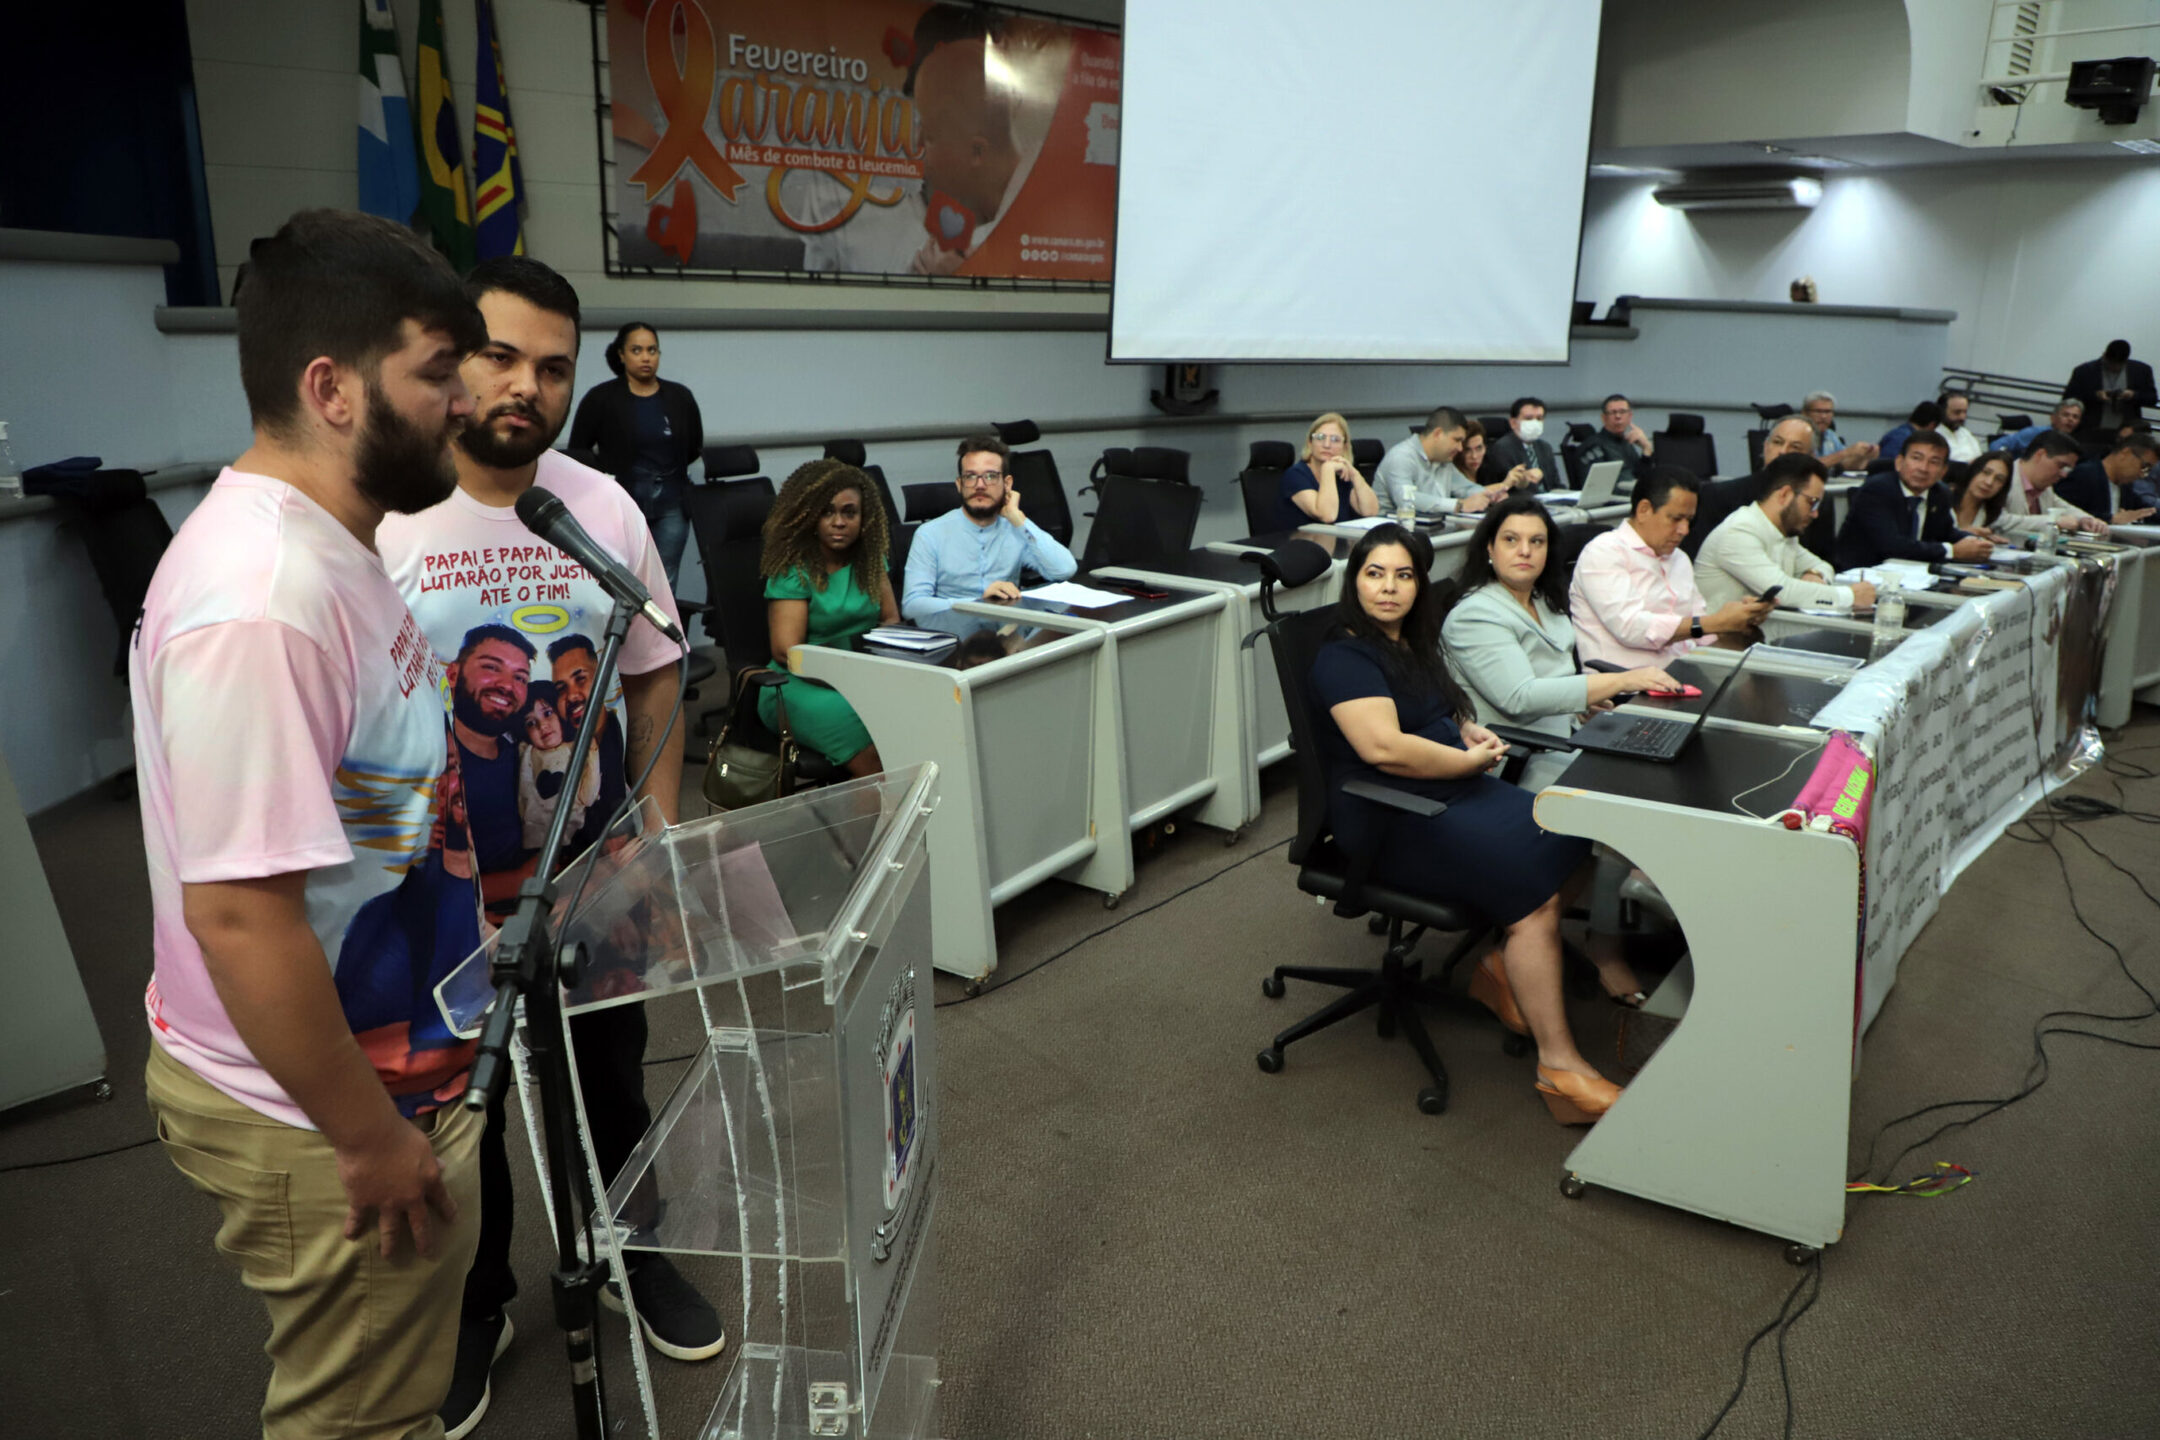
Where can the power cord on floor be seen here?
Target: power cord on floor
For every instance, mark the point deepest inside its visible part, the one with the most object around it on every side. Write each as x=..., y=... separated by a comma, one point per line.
x=1125, y=919
x=77, y=1159
x=1787, y=1317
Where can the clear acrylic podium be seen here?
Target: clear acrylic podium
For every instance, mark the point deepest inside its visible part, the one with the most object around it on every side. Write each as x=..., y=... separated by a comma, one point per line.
x=802, y=1142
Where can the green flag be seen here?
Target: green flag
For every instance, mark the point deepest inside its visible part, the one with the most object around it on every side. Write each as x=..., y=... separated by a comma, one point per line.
x=445, y=198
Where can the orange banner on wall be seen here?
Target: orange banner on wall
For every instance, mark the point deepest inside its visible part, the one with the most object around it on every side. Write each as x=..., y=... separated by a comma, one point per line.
x=865, y=137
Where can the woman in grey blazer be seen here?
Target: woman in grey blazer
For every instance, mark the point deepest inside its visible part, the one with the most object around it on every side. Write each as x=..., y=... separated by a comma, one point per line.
x=1512, y=647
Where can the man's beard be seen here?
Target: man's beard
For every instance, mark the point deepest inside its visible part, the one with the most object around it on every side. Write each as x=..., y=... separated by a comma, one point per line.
x=399, y=467
x=988, y=506
x=466, y=706
x=480, y=441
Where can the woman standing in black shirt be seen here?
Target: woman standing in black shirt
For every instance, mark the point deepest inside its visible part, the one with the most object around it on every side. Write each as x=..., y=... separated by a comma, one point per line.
x=646, y=431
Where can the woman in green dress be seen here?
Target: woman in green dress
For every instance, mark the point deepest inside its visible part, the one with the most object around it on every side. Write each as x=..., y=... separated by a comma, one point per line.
x=825, y=583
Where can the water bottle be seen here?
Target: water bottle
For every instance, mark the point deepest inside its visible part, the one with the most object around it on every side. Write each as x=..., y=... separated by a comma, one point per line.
x=1889, y=616
x=2044, y=542
x=11, y=486
x=1406, y=509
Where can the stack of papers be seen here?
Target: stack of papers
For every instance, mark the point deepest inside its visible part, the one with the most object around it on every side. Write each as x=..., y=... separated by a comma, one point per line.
x=906, y=637
x=1080, y=597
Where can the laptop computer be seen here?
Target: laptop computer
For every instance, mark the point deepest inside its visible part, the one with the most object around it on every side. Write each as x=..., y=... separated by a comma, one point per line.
x=1598, y=484
x=1657, y=738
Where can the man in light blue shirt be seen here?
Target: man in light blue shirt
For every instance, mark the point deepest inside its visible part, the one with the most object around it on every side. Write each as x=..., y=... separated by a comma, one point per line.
x=978, y=551
x=2067, y=417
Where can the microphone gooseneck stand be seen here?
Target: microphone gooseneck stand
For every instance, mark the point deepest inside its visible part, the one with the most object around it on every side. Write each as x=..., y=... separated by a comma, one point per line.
x=528, y=963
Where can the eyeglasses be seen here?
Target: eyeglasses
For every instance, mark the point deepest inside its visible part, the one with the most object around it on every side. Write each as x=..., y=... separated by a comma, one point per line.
x=981, y=477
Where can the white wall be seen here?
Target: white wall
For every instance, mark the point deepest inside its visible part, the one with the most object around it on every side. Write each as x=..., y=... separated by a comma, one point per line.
x=2044, y=262
x=1689, y=72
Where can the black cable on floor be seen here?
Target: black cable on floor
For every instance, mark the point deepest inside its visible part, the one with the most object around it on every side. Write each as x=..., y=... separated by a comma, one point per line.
x=77, y=1159
x=1782, y=1326
x=1122, y=920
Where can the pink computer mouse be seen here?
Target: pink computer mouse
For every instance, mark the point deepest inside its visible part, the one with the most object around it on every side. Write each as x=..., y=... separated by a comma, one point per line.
x=1685, y=692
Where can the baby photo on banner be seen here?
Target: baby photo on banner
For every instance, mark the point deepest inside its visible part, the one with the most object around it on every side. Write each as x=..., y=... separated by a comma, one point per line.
x=862, y=137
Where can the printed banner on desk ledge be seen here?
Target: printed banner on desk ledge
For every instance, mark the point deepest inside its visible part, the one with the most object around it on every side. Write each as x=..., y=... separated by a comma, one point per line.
x=866, y=137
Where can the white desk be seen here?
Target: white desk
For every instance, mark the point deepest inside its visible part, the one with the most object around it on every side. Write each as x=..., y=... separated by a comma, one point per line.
x=1028, y=773
x=1172, y=692
x=1742, y=1113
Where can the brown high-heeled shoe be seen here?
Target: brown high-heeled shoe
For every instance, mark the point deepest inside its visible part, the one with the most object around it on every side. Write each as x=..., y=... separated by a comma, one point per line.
x=1489, y=987
x=1575, y=1099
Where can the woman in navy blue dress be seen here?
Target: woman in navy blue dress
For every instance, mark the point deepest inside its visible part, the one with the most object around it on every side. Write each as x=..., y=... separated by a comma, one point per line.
x=1401, y=720
x=1324, y=486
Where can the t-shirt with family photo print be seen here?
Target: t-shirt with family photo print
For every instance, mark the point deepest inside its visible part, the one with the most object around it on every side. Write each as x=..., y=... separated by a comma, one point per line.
x=518, y=625
x=288, y=719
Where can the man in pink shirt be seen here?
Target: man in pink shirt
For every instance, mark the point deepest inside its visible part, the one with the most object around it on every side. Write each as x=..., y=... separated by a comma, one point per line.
x=515, y=622
x=311, y=877
x=1634, y=600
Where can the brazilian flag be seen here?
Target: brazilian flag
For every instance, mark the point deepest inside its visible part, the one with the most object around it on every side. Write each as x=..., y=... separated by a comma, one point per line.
x=445, y=198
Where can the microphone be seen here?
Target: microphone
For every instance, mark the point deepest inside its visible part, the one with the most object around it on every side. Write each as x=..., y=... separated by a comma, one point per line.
x=547, y=517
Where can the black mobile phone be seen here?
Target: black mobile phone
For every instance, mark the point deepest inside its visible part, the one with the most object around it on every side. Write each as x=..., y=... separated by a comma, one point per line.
x=1772, y=593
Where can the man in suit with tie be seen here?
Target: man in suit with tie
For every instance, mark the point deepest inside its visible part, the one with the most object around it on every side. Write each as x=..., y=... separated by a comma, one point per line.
x=2114, y=390
x=1907, y=514
x=1524, y=445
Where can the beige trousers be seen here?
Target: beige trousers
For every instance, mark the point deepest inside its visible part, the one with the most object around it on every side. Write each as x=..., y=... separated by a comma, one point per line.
x=361, y=1348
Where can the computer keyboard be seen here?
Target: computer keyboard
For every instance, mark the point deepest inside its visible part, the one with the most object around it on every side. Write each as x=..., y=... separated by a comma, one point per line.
x=1650, y=736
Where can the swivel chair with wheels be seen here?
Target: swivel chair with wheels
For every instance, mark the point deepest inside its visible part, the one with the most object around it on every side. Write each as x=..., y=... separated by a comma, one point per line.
x=1399, y=985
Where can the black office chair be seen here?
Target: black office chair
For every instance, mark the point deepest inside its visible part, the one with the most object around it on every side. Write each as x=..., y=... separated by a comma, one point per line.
x=728, y=521
x=1684, y=443
x=1756, y=439
x=1366, y=454
x=1572, y=458
x=1114, y=460
x=1495, y=427
x=1141, y=522
x=1160, y=462
x=1573, y=538
x=725, y=462
x=929, y=499
x=123, y=532
x=1771, y=414
x=1260, y=482
x=1035, y=473
x=1399, y=985
x=1716, y=500
x=903, y=540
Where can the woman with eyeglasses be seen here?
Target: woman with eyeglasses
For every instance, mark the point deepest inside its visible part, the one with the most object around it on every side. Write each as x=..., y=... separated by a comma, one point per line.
x=1401, y=720
x=1324, y=486
x=1511, y=641
x=646, y=431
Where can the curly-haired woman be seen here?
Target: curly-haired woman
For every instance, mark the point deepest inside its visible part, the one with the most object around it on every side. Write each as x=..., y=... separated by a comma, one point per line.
x=825, y=583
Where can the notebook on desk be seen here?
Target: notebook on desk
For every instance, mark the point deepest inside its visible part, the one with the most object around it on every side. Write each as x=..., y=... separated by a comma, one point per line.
x=1657, y=738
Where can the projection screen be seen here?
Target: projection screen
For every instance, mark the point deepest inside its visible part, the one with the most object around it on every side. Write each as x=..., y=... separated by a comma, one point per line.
x=1363, y=180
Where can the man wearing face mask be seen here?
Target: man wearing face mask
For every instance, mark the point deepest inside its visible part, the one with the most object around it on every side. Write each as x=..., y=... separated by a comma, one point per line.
x=490, y=594
x=1524, y=447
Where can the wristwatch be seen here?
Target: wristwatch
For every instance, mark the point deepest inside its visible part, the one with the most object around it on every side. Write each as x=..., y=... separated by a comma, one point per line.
x=1694, y=628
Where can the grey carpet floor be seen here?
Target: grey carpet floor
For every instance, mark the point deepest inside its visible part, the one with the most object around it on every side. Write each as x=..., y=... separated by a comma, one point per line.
x=1141, y=1235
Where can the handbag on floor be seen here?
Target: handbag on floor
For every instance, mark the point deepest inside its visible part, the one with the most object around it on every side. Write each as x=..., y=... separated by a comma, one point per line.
x=736, y=774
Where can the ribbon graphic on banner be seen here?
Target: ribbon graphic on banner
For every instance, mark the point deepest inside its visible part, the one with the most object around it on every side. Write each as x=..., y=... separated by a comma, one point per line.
x=674, y=227
x=685, y=94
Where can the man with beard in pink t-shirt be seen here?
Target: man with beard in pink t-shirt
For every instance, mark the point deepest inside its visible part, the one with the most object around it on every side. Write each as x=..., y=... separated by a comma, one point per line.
x=309, y=873
x=499, y=604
